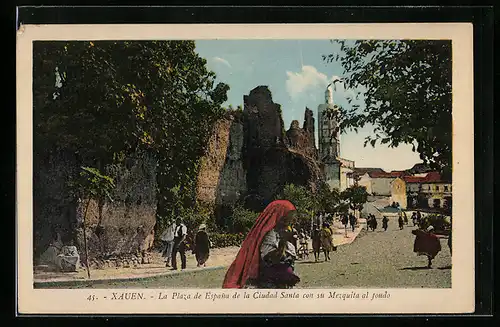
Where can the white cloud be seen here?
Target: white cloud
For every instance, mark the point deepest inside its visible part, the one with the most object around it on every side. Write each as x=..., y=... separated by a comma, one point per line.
x=309, y=81
x=222, y=61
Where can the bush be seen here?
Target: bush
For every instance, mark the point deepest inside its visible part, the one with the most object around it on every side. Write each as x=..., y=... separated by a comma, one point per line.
x=439, y=222
x=243, y=219
x=192, y=218
x=224, y=240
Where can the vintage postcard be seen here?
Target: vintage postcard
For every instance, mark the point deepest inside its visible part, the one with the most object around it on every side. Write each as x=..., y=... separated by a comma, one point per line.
x=241, y=169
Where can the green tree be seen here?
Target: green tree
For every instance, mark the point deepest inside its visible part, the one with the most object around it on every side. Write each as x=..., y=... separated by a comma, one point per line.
x=406, y=87
x=91, y=185
x=355, y=196
x=113, y=98
x=304, y=201
x=328, y=201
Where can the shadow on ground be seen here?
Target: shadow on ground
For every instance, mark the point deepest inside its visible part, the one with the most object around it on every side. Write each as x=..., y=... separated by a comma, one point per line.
x=415, y=268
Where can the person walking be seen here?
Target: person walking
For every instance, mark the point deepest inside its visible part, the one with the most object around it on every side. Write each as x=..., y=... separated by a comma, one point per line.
x=426, y=243
x=385, y=223
x=316, y=241
x=414, y=218
x=352, y=221
x=345, y=220
x=179, y=245
x=419, y=218
x=400, y=222
x=201, y=246
x=326, y=236
x=168, y=238
x=405, y=217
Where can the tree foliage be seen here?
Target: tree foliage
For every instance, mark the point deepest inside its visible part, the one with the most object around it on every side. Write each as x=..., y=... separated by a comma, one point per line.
x=328, y=201
x=407, y=94
x=106, y=99
x=355, y=196
x=304, y=201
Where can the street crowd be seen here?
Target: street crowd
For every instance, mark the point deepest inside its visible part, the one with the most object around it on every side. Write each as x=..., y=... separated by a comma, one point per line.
x=266, y=258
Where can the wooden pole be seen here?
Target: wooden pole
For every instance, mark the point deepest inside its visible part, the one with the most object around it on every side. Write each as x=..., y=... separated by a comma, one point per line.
x=85, y=239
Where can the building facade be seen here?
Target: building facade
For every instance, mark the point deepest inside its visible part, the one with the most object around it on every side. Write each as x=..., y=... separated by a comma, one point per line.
x=338, y=171
x=423, y=191
x=398, y=192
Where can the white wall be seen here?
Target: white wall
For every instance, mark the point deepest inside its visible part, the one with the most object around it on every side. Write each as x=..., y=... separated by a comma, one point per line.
x=366, y=181
x=381, y=186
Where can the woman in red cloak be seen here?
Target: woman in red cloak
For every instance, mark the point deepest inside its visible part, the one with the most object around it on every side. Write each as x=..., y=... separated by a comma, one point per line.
x=266, y=255
x=426, y=243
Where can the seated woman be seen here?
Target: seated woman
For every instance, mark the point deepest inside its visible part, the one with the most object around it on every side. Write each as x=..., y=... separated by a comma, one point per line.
x=266, y=256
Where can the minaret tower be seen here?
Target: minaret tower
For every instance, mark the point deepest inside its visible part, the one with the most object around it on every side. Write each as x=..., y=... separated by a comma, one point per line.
x=328, y=131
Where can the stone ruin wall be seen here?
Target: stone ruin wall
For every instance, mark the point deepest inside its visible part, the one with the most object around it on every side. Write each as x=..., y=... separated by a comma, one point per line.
x=222, y=178
x=274, y=157
x=115, y=228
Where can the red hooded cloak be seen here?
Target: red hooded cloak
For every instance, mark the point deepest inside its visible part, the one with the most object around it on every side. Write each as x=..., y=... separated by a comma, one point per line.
x=246, y=264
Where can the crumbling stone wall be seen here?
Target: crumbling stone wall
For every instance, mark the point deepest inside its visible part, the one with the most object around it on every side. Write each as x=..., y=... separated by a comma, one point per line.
x=222, y=178
x=113, y=228
x=302, y=139
x=212, y=163
x=269, y=162
x=54, y=210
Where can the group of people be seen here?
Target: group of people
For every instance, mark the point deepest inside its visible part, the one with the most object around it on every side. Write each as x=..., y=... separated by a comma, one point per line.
x=349, y=219
x=267, y=255
x=372, y=223
x=322, y=238
x=175, y=238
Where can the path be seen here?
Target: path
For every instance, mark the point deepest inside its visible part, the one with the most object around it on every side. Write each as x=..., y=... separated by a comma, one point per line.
x=219, y=258
x=374, y=259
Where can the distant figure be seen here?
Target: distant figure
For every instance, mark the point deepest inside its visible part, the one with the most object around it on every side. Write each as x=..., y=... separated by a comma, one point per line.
x=345, y=220
x=368, y=221
x=316, y=241
x=201, y=248
x=326, y=240
x=426, y=243
x=303, y=250
x=400, y=220
x=385, y=223
x=352, y=221
x=414, y=218
x=179, y=245
x=405, y=217
x=168, y=238
x=374, y=223
x=419, y=218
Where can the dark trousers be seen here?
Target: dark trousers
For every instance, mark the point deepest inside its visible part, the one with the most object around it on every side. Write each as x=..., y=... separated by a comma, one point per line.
x=181, y=248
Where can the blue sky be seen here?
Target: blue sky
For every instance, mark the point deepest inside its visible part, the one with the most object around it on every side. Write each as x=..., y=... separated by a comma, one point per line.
x=297, y=77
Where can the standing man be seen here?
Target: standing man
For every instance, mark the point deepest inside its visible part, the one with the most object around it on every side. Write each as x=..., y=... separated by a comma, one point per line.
x=352, y=221
x=179, y=244
x=168, y=237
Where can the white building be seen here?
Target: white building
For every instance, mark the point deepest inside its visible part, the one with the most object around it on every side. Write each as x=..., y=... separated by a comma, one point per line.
x=338, y=171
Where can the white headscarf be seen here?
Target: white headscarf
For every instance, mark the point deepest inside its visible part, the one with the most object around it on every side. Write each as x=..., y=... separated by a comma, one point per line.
x=430, y=228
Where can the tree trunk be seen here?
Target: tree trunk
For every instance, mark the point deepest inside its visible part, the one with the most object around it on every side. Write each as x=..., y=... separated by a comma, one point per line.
x=85, y=239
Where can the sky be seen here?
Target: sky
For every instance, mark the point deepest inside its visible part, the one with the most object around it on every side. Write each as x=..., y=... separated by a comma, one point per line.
x=297, y=77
